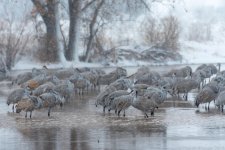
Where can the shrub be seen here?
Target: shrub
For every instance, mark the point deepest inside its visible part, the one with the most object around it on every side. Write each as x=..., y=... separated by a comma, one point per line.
x=163, y=33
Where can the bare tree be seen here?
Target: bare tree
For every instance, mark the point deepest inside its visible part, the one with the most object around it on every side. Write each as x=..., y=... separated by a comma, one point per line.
x=14, y=38
x=163, y=33
x=92, y=29
x=171, y=32
x=104, y=9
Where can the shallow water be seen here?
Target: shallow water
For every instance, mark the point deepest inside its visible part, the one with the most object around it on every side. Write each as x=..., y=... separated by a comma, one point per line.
x=80, y=125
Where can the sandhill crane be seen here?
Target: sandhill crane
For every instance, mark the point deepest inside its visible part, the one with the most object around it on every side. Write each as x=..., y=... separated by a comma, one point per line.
x=22, y=78
x=81, y=84
x=92, y=77
x=106, y=79
x=66, y=73
x=51, y=99
x=28, y=103
x=149, y=78
x=123, y=102
x=37, y=72
x=122, y=84
x=110, y=98
x=185, y=86
x=145, y=104
x=46, y=87
x=152, y=98
x=140, y=88
x=101, y=97
x=214, y=70
x=182, y=72
x=35, y=82
x=206, y=95
x=220, y=100
x=65, y=89
x=17, y=95
x=201, y=67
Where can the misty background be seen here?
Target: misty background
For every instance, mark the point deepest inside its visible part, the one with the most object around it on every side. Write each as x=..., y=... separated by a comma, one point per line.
x=122, y=33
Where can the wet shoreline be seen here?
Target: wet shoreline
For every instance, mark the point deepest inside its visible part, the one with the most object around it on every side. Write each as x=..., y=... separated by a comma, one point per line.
x=177, y=124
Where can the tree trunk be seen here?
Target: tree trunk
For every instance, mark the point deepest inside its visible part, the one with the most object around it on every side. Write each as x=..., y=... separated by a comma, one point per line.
x=92, y=31
x=51, y=44
x=74, y=12
x=9, y=60
x=49, y=17
x=59, y=35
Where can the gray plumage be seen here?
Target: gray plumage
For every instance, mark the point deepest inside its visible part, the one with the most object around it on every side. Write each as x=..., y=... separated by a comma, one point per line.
x=159, y=95
x=106, y=79
x=101, y=97
x=65, y=89
x=37, y=72
x=185, y=86
x=110, y=98
x=2, y=75
x=46, y=87
x=140, y=88
x=16, y=95
x=36, y=81
x=122, y=84
x=28, y=104
x=51, y=99
x=123, y=102
x=145, y=104
x=206, y=95
x=213, y=68
x=22, y=78
x=81, y=84
x=220, y=100
x=92, y=77
x=201, y=67
x=149, y=78
x=182, y=72
x=152, y=98
x=65, y=73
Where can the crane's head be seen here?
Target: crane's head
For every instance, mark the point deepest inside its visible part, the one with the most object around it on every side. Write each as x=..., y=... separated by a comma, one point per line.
x=8, y=102
x=18, y=110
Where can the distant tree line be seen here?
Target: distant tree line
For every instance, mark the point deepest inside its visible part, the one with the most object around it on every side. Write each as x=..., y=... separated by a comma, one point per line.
x=88, y=16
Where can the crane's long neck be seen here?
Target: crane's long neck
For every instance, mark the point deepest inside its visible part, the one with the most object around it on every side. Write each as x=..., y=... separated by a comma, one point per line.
x=164, y=93
x=134, y=95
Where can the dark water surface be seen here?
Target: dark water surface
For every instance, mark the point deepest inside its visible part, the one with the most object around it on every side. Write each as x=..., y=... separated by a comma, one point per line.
x=79, y=125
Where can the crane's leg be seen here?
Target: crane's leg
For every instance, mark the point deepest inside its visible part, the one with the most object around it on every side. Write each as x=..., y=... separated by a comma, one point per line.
x=30, y=114
x=119, y=113
x=49, y=109
x=152, y=112
x=208, y=106
x=186, y=98
x=13, y=108
x=104, y=109
x=146, y=115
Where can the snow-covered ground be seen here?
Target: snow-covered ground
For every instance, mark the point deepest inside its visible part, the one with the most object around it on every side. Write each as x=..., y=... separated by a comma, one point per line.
x=194, y=52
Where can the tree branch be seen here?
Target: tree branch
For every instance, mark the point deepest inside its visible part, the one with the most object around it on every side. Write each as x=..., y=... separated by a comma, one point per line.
x=145, y=4
x=87, y=5
x=41, y=9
